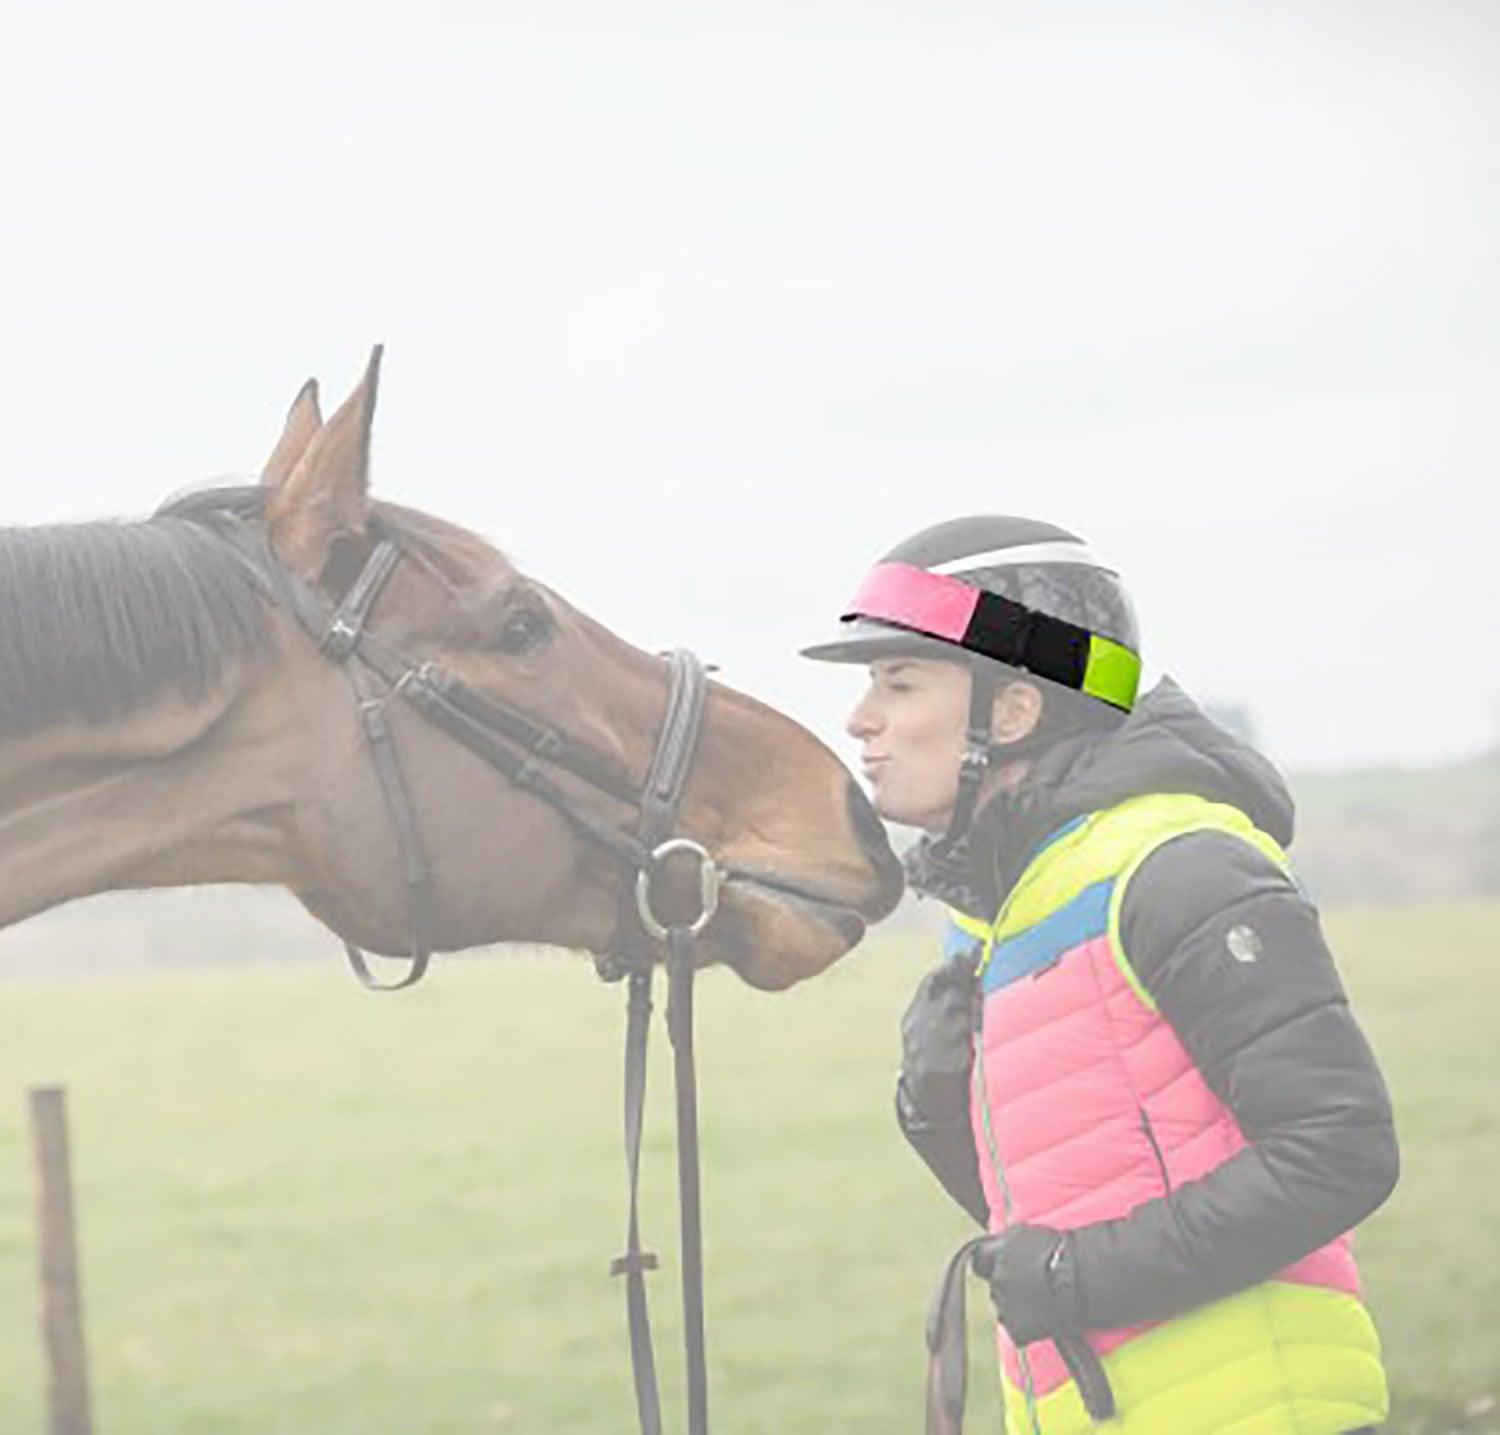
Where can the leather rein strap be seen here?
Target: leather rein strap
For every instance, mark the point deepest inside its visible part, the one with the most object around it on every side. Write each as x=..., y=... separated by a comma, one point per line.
x=659, y=804
x=523, y=749
x=948, y=1357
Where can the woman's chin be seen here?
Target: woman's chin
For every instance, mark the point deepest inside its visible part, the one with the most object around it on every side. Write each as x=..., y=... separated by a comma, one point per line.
x=908, y=814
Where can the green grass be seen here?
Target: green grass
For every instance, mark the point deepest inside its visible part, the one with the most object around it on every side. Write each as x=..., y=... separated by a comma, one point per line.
x=307, y=1209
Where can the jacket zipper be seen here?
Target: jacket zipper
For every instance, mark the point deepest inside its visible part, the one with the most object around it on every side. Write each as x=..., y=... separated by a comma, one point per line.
x=1028, y=1384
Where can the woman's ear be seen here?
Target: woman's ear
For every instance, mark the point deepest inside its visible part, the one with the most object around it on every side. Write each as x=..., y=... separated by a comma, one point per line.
x=1018, y=709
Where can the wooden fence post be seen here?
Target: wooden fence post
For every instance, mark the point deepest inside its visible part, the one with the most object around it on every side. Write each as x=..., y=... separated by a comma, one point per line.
x=62, y=1305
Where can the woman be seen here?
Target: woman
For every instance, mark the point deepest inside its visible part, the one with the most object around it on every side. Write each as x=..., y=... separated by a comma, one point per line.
x=1136, y=1065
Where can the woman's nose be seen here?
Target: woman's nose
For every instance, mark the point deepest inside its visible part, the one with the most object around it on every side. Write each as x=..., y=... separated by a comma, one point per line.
x=863, y=722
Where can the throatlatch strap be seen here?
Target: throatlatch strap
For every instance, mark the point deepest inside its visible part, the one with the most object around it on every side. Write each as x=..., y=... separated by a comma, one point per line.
x=418, y=874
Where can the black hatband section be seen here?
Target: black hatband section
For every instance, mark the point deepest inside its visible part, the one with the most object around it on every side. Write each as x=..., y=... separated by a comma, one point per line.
x=1020, y=637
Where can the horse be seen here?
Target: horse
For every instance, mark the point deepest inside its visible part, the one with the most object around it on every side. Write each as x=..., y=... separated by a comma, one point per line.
x=168, y=718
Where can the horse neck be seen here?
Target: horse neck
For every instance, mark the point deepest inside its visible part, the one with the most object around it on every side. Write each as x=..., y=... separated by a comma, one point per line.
x=179, y=794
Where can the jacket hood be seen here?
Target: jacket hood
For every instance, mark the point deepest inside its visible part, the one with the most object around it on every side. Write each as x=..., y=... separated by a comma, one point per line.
x=1166, y=744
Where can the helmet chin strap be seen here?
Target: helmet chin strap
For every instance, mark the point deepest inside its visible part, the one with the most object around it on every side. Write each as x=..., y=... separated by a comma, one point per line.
x=982, y=754
x=976, y=759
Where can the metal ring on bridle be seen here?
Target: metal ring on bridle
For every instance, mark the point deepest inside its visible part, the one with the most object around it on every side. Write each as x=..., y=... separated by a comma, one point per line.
x=709, y=881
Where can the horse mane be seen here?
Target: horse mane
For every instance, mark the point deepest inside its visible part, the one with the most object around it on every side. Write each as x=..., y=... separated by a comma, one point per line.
x=99, y=619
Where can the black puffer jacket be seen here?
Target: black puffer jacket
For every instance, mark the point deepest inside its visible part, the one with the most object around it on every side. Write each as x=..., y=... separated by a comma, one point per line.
x=1285, y=1053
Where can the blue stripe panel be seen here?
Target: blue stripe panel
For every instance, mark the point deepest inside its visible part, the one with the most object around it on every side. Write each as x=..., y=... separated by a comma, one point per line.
x=1087, y=915
x=1056, y=835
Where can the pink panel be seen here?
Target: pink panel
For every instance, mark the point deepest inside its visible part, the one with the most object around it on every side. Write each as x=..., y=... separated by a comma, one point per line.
x=1071, y=1059
x=1065, y=1113
x=930, y=603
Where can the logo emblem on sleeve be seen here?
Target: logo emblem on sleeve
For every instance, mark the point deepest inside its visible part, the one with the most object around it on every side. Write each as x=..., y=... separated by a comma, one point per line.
x=1243, y=943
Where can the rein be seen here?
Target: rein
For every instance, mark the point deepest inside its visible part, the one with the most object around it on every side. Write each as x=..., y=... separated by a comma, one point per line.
x=523, y=749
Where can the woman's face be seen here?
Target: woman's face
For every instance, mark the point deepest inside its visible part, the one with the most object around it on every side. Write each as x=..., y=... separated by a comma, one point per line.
x=910, y=724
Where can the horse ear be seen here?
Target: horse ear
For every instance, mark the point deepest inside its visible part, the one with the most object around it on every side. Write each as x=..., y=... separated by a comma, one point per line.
x=326, y=495
x=303, y=420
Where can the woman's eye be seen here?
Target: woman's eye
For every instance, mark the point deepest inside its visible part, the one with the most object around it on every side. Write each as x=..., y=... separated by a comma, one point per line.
x=524, y=631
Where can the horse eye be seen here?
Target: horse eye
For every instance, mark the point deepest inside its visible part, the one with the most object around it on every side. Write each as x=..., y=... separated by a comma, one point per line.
x=523, y=631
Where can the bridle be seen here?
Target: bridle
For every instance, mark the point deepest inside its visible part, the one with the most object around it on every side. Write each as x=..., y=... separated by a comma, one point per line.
x=526, y=751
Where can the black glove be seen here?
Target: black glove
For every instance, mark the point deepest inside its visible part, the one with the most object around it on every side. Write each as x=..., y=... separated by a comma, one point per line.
x=1032, y=1282
x=937, y=1035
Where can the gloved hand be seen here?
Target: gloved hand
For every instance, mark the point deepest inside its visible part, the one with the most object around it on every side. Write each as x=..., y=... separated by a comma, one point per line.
x=937, y=1035
x=1032, y=1282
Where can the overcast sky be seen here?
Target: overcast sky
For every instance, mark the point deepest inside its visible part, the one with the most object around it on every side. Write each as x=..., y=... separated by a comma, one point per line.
x=697, y=310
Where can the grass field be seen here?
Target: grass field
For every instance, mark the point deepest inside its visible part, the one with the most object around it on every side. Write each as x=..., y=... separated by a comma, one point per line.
x=304, y=1209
